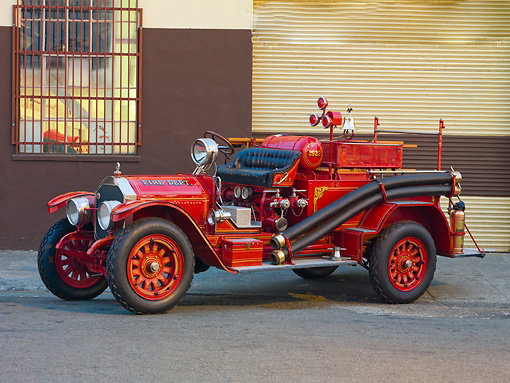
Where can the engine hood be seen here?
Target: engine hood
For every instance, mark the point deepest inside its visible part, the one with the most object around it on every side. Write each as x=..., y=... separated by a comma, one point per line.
x=167, y=186
x=191, y=192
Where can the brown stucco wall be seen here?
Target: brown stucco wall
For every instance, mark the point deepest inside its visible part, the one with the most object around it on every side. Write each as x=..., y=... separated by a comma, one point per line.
x=193, y=80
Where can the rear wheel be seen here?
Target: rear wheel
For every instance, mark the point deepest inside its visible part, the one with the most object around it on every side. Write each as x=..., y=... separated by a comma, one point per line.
x=315, y=272
x=64, y=274
x=403, y=262
x=150, y=266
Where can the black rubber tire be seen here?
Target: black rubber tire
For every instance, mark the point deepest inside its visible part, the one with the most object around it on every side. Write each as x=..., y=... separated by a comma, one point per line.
x=315, y=272
x=380, y=257
x=117, y=266
x=48, y=270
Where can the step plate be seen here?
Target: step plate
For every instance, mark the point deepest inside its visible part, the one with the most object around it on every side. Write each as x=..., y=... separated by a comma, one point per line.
x=299, y=263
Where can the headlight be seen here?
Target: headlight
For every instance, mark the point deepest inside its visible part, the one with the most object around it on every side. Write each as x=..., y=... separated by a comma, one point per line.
x=104, y=214
x=204, y=152
x=76, y=211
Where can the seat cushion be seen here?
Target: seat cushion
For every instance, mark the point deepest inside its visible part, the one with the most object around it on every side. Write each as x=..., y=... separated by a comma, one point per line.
x=257, y=166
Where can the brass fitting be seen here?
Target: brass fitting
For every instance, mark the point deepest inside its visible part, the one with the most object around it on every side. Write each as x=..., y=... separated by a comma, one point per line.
x=277, y=257
x=457, y=177
x=277, y=241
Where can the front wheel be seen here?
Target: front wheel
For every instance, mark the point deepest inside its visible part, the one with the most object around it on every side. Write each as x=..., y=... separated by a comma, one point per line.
x=150, y=266
x=402, y=262
x=63, y=272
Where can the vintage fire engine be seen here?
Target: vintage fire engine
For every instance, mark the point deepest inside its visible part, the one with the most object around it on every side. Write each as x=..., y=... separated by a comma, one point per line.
x=291, y=202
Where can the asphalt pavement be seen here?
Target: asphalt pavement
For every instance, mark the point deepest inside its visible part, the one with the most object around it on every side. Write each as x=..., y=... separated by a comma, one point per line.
x=263, y=327
x=472, y=281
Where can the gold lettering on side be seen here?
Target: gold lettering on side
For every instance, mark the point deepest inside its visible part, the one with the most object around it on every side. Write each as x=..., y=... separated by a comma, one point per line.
x=314, y=153
x=317, y=195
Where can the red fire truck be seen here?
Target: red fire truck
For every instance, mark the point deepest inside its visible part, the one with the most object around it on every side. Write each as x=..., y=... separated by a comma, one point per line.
x=289, y=202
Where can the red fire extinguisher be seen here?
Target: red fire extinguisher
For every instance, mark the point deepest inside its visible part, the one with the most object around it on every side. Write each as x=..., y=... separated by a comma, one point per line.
x=457, y=222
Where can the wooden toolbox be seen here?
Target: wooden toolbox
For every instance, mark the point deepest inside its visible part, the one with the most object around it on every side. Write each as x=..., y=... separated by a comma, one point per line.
x=236, y=252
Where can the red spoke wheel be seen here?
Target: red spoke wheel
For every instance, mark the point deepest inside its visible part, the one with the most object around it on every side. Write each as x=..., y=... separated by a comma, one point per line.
x=74, y=271
x=155, y=267
x=407, y=263
x=402, y=262
x=150, y=266
x=63, y=272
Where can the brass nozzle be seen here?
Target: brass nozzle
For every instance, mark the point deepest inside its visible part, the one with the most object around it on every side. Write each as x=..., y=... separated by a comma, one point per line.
x=277, y=257
x=277, y=241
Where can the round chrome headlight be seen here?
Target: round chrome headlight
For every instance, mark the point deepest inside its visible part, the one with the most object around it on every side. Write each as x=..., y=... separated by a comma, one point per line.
x=76, y=211
x=204, y=152
x=104, y=214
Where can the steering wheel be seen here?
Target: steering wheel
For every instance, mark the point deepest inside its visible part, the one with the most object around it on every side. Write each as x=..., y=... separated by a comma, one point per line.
x=224, y=144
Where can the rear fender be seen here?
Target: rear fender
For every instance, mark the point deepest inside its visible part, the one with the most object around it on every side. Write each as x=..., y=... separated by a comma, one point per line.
x=167, y=210
x=381, y=216
x=61, y=200
x=432, y=218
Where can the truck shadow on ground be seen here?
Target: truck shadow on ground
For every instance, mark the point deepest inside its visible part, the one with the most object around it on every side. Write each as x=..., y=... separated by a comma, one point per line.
x=277, y=291
x=288, y=291
x=282, y=290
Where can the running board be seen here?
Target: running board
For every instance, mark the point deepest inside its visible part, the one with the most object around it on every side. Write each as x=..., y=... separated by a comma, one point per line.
x=298, y=263
x=471, y=253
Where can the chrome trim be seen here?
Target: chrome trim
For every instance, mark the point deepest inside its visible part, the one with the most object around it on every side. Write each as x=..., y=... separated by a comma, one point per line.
x=126, y=188
x=80, y=205
x=110, y=205
x=297, y=263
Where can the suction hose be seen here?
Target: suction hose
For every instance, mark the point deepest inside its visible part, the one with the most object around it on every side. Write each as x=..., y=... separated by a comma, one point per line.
x=279, y=256
x=353, y=198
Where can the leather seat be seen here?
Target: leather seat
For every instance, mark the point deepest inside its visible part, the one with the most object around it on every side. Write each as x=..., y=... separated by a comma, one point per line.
x=257, y=166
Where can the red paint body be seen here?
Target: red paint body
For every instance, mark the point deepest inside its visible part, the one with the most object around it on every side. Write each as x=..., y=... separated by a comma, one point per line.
x=231, y=225
x=188, y=200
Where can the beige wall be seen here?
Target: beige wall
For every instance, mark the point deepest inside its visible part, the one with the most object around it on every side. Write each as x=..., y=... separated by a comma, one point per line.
x=188, y=14
x=197, y=14
x=6, y=12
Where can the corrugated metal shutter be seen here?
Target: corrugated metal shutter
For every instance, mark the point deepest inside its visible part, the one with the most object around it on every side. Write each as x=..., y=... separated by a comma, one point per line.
x=488, y=220
x=407, y=62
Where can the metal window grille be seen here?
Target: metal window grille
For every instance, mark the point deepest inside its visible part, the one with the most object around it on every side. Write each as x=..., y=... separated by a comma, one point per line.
x=76, y=76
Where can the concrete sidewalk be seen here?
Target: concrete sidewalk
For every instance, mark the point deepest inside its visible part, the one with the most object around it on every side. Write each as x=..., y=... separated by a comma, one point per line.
x=474, y=280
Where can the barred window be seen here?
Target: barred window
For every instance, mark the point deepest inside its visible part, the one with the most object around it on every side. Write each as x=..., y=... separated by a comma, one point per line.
x=76, y=76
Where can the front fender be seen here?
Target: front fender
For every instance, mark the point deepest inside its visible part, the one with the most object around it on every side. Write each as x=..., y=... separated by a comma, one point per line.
x=201, y=245
x=61, y=200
